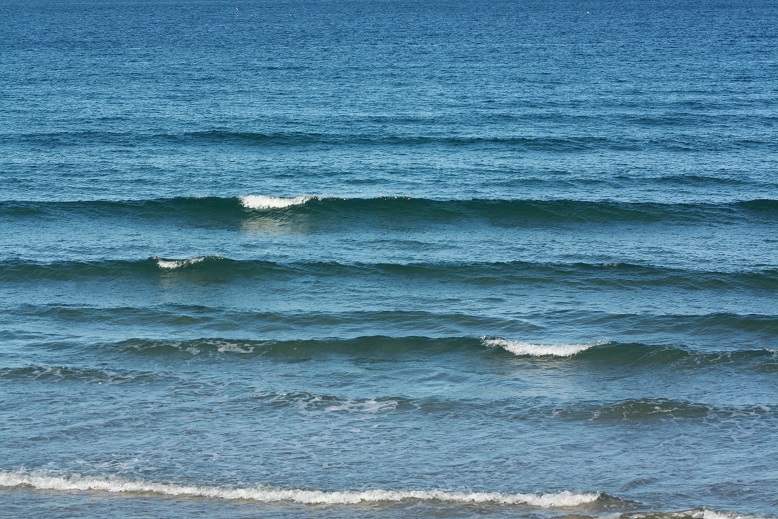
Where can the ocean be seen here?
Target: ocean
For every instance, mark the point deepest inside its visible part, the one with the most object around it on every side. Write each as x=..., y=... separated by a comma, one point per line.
x=389, y=259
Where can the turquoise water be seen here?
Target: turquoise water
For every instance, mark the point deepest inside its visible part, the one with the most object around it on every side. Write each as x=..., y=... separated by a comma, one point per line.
x=387, y=259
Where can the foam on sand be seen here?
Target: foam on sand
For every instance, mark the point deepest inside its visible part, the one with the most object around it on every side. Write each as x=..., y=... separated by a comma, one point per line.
x=539, y=350
x=270, y=202
x=698, y=513
x=270, y=495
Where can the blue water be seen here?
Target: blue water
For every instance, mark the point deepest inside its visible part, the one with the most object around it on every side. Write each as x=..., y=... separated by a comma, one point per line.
x=384, y=258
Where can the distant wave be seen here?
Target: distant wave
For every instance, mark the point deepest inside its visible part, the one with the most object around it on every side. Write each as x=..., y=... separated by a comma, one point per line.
x=11, y=479
x=513, y=141
x=385, y=210
x=615, y=276
x=521, y=142
x=296, y=139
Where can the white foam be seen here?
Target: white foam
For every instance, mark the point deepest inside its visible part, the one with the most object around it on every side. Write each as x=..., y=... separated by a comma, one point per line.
x=269, y=495
x=270, y=202
x=365, y=406
x=174, y=264
x=228, y=347
x=699, y=513
x=539, y=350
x=716, y=514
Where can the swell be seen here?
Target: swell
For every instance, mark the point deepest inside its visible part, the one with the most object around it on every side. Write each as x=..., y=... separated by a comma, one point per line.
x=634, y=409
x=217, y=268
x=718, y=328
x=659, y=408
x=267, y=494
x=304, y=402
x=383, y=210
x=56, y=374
x=296, y=139
x=194, y=319
x=605, y=354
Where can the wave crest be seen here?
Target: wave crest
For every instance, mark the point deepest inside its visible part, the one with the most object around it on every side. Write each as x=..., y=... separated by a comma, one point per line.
x=309, y=497
x=260, y=202
x=170, y=264
x=539, y=350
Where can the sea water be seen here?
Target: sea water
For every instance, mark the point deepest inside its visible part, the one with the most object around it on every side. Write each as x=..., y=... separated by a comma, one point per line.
x=385, y=258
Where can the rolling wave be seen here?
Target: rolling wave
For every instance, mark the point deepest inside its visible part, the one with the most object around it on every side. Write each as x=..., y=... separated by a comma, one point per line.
x=80, y=374
x=366, y=345
x=659, y=408
x=209, y=320
x=11, y=479
x=753, y=331
x=207, y=268
x=605, y=354
x=305, y=402
x=379, y=211
x=635, y=409
x=520, y=348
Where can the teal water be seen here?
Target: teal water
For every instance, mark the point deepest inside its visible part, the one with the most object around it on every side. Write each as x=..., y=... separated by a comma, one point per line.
x=388, y=259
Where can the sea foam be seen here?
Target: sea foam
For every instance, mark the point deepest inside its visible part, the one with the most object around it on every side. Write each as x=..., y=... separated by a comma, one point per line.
x=270, y=202
x=169, y=264
x=717, y=514
x=698, y=513
x=270, y=495
x=539, y=350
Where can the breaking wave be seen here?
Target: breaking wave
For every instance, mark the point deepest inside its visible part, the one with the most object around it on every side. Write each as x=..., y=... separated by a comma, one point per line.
x=272, y=495
x=174, y=264
x=539, y=350
x=207, y=211
x=604, y=353
x=270, y=202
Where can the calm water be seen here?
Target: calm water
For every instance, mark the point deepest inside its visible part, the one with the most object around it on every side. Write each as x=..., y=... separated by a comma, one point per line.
x=384, y=258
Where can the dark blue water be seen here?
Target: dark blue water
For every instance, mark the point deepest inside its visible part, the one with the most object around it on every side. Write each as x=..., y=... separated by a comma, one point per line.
x=384, y=258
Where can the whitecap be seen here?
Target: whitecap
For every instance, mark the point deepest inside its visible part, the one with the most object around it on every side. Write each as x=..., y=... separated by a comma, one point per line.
x=270, y=202
x=174, y=264
x=539, y=350
x=270, y=495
